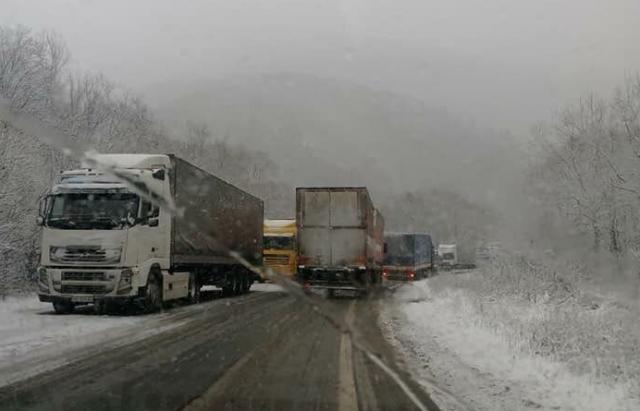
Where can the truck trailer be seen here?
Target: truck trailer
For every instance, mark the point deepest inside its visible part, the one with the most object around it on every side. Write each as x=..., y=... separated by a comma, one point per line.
x=340, y=239
x=104, y=243
x=408, y=256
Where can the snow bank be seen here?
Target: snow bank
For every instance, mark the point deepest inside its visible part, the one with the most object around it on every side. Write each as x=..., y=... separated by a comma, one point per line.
x=465, y=364
x=33, y=339
x=266, y=287
x=26, y=324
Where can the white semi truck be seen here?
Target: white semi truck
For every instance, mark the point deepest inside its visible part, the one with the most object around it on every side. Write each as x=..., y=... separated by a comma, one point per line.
x=105, y=244
x=448, y=255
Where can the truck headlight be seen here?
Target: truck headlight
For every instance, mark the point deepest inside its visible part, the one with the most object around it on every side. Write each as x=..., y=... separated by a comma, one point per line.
x=112, y=255
x=56, y=254
x=125, y=279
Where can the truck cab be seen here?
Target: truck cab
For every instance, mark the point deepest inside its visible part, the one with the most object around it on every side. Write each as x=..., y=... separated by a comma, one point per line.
x=100, y=239
x=280, y=250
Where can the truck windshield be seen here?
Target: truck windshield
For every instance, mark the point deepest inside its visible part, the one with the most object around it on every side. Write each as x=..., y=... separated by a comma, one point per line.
x=278, y=243
x=92, y=211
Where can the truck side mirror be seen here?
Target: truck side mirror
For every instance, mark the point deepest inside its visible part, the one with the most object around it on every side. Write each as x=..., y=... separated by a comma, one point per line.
x=154, y=222
x=385, y=248
x=43, y=205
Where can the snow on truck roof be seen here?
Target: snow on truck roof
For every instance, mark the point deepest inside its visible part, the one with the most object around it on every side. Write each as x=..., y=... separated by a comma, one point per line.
x=133, y=160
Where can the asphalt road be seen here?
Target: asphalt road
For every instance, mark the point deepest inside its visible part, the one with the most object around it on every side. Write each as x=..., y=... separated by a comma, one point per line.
x=260, y=351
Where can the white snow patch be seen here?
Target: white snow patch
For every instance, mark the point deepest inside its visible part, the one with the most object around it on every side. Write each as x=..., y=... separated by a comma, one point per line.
x=266, y=287
x=466, y=366
x=34, y=339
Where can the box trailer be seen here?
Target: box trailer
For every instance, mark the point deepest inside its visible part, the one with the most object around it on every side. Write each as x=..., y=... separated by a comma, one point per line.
x=340, y=238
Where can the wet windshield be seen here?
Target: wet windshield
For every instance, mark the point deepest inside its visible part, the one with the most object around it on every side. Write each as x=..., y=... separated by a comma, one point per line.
x=199, y=199
x=91, y=211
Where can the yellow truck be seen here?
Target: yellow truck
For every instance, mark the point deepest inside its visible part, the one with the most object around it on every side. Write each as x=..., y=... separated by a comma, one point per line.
x=280, y=251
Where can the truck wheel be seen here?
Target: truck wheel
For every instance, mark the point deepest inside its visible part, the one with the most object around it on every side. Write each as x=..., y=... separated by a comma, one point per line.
x=248, y=283
x=229, y=286
x=194, y=289
x=153, y=297
x=63, y=307
x=237, y=284
x=100, y=307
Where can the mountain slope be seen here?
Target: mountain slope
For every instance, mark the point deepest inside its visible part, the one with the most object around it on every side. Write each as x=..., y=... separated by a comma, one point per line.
x=326, y=131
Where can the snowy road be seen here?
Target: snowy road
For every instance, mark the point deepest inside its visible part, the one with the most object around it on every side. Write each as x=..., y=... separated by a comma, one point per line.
x=262, y=351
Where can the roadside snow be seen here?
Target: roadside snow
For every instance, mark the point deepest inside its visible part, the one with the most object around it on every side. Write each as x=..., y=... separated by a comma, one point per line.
x=26, y=325
x=266, y=287
x=34, y=339
x=466, y=366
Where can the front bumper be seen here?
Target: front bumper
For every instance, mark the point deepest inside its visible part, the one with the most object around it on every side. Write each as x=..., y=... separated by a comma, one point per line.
x=90, y=299
x=332, y=277
x=86, y=285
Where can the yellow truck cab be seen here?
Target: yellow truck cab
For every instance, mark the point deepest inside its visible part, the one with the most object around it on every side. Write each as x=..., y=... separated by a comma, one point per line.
x=280, y=253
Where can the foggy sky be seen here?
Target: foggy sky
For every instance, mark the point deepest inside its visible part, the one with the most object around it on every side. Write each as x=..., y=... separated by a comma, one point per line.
x=507, y=64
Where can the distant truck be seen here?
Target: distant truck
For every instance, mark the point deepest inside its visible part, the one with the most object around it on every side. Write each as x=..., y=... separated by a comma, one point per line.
x=280, y=250
x=102, y=243
x=340, y=239
x=408, y=257
x=447, y=255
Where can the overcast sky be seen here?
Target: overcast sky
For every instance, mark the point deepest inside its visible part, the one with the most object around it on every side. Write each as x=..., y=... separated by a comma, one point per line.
x=505, y=63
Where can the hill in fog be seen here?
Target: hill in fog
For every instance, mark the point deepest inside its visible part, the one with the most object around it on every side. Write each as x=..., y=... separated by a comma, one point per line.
x=325, y=131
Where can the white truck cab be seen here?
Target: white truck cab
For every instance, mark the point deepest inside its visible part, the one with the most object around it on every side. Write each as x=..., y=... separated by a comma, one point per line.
x=100, y=240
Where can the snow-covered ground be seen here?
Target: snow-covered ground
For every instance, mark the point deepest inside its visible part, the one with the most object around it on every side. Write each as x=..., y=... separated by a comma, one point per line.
x=34, y=339
x=467, y=366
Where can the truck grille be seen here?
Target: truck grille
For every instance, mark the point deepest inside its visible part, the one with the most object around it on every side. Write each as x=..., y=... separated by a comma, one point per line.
x=83, y=276
x=276, y=259
x=83, y=289
x=84, y=254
